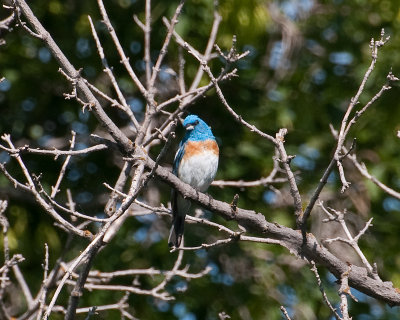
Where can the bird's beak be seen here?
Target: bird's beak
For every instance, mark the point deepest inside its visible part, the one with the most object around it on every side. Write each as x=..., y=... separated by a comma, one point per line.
x=189, y=127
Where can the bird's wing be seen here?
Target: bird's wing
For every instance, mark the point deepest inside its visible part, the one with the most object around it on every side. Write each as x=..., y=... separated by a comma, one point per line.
x=175, y=236
x=177, y=161
x=178, y=157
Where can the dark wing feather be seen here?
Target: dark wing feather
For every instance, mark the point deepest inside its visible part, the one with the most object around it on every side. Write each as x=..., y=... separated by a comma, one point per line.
x=178, y=221
x=178, y=157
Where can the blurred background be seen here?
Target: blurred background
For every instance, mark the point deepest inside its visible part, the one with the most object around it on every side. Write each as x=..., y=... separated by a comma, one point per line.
x=307, y=59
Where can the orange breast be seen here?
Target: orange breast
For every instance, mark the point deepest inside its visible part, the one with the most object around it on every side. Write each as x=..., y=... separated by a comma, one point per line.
x=197, y=147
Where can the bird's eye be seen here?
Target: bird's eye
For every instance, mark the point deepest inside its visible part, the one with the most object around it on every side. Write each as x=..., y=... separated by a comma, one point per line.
x=196, y=122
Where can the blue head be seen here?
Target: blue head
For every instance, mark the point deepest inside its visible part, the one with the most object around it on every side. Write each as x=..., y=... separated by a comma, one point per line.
x=196, y=129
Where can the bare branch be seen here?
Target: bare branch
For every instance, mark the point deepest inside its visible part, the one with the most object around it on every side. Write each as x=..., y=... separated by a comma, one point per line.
x=321, y=288
x=147, y=31
x=246, y=184
x=78, y=288
x=294, y=191
x=207, y=54
x=39, y=199
x=55, y=152
x=344, y=290
x=359, y=277
x=69, y=69
x=119, y=185
x=237, y=117
x=352, y=241
x=110, y=75
x=55, y=188
x=345, y=127
x=124, y=59
x=163, y=51
x=43, y=294
x=364, y=171
x=284, y=311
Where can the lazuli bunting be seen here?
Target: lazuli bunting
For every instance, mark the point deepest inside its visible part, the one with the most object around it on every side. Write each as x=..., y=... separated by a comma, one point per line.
x=195, y=163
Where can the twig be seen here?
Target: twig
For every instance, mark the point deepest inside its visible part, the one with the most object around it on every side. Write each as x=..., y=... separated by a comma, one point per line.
x=16, y=258
x=22, y=283
x=93, y=246
x=344, y=290
x=55, y=152
x=364, y=171
x=72, y=212
x=237, y=117
x=70, y=70
x=321, y=288
x=111, y=205
x=352, y=241
x=23, y=24
x=187, y=100
x=91, y=312
x=8, y=264
x=78, y=288
x=235, y=236
x=294, y=191
x=168, y=277
x=115, y=306
x=163, y=51
x=107, y=276
x=110, y=75
x=124, y=59
x=109, y=235
x=151, y=107
x=5, y=23
x=55, y=188
x=147, y=31
x=223, y=315
x=90, y=286
x=43, y=294
x=52, y=278
x=362, y=168
x=344, y=129
x=181, y=73
x=4, y=270
x=285, y=313
x=205, y=245
x=207, y=54
x=39, y=199
x=246, y=184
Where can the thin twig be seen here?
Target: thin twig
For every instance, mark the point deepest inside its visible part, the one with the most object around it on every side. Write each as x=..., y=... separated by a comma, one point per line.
x=38, y=197
x=22, y=283
x=344, y=130
x=147, y=32
x=124, y=59
x=42, y=298
x=163, y=51
x=54, y=152
x=70, y=70
x=344, y=291
x=294, y=190
x=110, y=75
x=285, y=313
x=321, y=288
x=207, y=54
x=77, y=291
x=55, y=188
x=352, y=241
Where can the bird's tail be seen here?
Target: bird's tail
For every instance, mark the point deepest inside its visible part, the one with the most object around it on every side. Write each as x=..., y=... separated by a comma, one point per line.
x=176, y=233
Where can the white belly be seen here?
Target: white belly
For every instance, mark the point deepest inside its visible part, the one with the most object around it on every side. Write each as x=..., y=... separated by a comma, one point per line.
x=199, y=170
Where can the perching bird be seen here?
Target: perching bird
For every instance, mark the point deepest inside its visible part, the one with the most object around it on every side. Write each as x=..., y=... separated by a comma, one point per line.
x=196, y=163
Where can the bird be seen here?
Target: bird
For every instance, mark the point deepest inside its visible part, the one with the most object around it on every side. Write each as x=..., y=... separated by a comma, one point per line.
x=195, y=163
